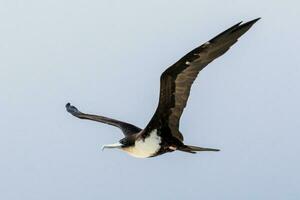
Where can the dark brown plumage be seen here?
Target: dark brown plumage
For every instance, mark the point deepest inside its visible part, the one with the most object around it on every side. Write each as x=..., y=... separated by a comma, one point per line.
x=175, y=86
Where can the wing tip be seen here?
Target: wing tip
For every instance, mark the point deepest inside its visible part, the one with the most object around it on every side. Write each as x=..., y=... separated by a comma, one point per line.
x=71, y=109
x=235, y=28
x=251, y=22
x=255, y=20
x=68, y=104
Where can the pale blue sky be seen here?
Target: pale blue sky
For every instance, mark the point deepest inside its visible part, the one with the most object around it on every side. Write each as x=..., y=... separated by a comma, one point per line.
x=106, y=58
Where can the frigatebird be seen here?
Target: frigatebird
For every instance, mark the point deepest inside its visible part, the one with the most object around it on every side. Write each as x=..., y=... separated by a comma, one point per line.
x=162, y=134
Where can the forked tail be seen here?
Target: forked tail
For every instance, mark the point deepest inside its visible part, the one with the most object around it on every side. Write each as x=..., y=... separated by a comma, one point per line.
x=194, y=149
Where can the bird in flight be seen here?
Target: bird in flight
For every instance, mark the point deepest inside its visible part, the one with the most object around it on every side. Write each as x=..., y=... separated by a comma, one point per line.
x=162, y=134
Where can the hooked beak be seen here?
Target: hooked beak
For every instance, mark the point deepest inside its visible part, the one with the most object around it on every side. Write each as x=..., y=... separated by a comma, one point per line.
x=111, y=146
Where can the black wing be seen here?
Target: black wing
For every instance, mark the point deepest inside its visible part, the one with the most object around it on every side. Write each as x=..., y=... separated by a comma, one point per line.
x=127, y=129
x=176, y=81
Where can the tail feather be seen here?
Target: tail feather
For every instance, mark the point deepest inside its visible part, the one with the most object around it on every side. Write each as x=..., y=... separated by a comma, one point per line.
x=194, y=149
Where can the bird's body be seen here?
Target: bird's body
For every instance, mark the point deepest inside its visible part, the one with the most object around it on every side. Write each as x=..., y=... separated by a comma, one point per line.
x=162, y=134
x=144, y=148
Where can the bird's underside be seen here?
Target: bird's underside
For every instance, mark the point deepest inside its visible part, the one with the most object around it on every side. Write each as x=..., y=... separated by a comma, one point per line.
x=162, y=134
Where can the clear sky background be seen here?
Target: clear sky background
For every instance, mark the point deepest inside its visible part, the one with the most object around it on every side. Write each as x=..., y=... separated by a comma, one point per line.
x=106, y=58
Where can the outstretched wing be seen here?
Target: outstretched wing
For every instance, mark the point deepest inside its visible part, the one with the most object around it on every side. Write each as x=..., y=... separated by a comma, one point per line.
x=127, y=129
x=176, y=81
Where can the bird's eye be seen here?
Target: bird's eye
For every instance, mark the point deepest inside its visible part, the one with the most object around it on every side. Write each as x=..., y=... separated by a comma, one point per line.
x=123, y=141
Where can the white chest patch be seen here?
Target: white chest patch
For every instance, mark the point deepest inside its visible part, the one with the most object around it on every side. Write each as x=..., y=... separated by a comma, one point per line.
x=145, y=148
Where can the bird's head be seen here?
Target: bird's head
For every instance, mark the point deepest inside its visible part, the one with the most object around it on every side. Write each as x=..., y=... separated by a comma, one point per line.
x=123, y=143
